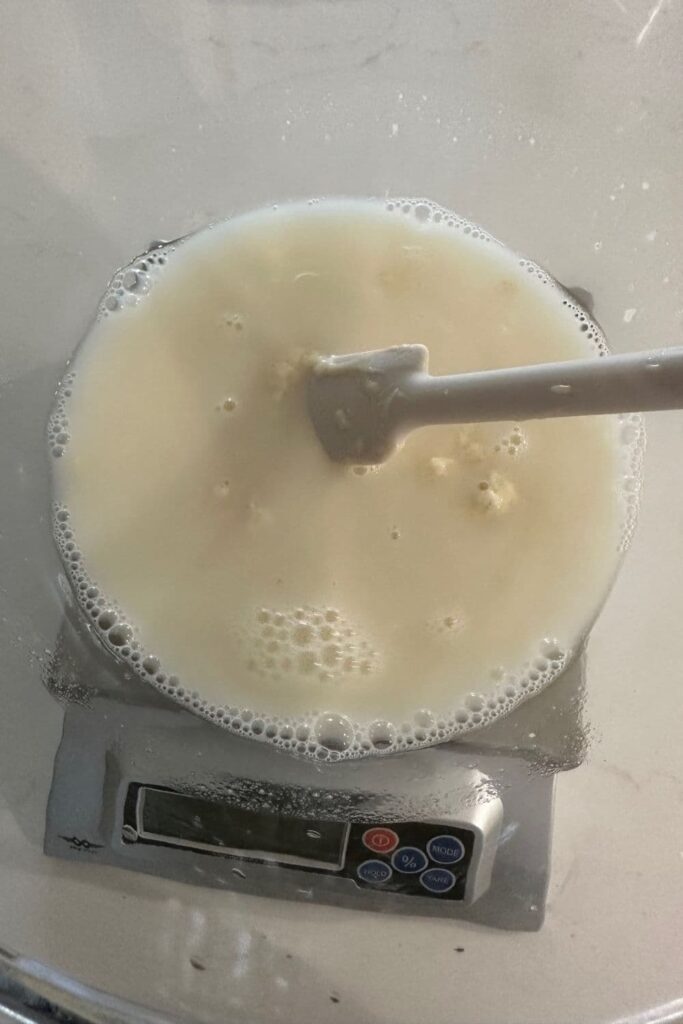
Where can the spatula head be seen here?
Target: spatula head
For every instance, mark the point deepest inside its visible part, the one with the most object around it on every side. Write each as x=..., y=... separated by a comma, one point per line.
x=354, y=401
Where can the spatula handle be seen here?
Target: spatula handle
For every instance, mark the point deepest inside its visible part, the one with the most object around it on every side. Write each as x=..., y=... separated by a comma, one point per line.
x=626, y=383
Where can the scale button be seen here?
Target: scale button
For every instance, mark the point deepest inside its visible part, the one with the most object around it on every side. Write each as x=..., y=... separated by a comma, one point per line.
x=409, y=860
x=380, y=840
x=445, y=849
x=374, y=871
x=437, y=880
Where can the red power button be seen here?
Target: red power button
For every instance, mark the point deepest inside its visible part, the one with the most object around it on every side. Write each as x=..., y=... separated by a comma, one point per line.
x=380, y=840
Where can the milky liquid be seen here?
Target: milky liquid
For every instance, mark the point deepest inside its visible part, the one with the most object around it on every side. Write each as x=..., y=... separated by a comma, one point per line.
x=332, y=609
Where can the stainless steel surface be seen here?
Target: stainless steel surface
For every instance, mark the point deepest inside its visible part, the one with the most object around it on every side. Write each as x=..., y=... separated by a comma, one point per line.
x=33, y=993
x=557, y=127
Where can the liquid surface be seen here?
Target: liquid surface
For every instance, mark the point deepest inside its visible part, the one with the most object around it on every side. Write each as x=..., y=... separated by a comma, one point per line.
x=225, y=556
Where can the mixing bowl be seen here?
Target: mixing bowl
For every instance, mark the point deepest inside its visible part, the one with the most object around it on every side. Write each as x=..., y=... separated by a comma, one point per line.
x=560, y=129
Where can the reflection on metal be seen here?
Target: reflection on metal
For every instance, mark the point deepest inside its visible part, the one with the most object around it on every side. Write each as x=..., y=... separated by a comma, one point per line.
x=654, y=13
x=32, y=993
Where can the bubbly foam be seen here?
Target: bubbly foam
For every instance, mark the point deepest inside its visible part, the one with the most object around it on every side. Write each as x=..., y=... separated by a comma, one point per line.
x=320, y=642
x=332, y=648
x=280, y=644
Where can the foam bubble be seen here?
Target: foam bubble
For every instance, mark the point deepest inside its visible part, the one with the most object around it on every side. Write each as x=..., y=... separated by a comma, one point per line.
x=334, y=732
x=513, y=443
x=288, y=644
x=382, y=735
x=130, y=284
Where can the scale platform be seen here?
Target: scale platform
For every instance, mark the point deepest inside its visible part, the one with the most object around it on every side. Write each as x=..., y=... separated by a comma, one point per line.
x=460, y=829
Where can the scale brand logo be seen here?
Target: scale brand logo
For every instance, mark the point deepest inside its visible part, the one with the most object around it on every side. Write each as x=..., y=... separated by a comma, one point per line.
x=82, y=845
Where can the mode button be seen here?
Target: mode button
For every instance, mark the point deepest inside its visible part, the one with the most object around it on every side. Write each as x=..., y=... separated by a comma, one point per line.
x=445, y=849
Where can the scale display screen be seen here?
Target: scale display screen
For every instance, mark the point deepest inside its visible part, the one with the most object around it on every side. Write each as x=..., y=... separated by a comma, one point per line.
x=177, y=819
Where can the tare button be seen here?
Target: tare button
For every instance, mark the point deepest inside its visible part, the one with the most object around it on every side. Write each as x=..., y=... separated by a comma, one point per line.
x=380, y=840
x=409, y=860
x=445, y=849
x=374, y=871
x=437, y=880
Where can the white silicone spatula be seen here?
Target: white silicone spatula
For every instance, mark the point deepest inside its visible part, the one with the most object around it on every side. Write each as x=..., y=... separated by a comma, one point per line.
x=362, y=405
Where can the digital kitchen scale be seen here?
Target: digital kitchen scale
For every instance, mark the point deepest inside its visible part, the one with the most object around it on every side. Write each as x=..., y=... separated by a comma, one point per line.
x=461, y=829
